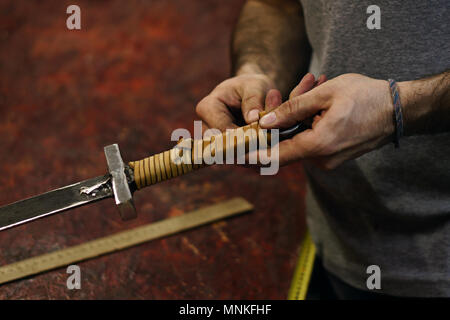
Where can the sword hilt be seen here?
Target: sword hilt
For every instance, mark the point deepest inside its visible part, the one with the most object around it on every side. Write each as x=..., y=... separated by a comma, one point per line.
x=189, y=155
x=120, y=182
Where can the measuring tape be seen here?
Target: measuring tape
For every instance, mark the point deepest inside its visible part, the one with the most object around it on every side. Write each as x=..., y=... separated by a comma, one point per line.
x=303, y=270
x=122, y=240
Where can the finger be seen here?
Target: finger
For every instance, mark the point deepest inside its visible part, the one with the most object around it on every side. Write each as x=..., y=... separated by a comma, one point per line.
x=306, y=84
x=286, y=151
x=215, y=113
x=252, y=103
x=273, y=99
x=295, y=110
x=318, y=117
x=322, y=78
x=301, y=146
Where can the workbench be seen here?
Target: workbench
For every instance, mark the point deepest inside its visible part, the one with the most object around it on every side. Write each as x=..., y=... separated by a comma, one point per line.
x=132, y=75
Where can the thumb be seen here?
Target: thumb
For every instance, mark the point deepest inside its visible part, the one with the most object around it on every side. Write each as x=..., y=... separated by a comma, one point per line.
x=252, y=104
x=294, y=110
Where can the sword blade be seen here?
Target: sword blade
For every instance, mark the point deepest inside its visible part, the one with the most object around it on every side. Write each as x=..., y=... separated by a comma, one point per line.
x=55, y=201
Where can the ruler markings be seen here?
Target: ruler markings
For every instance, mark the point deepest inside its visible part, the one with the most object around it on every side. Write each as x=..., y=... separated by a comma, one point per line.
x=303, y=270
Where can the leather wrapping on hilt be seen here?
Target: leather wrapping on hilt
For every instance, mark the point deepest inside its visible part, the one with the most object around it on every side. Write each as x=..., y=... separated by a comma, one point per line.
x=195, y=154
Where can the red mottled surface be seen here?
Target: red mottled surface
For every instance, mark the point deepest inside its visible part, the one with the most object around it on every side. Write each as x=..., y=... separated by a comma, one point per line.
x=131, y=75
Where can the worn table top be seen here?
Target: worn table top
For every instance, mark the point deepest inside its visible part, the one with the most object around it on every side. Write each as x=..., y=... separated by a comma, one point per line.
x=132, y=75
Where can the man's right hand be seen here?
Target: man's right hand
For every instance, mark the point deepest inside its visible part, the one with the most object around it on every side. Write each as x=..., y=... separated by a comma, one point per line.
x=239, y=98
x=245, y=95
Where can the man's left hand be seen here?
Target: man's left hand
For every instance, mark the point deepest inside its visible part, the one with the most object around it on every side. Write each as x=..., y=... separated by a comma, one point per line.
x=352, y=114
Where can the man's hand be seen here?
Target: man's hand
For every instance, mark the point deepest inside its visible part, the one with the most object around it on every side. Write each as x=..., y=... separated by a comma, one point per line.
x=269, y=50
x=353, y=114
x=239, y=97
x=248, y=94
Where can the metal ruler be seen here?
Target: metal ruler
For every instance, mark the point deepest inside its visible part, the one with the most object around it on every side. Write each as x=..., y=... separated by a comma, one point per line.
x=303, y=270
x=122, y=240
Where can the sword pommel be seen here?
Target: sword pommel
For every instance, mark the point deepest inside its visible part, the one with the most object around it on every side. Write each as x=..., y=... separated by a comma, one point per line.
x=119, y=181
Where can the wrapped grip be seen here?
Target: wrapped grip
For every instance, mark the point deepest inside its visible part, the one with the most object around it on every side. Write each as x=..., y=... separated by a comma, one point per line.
x=189, y=154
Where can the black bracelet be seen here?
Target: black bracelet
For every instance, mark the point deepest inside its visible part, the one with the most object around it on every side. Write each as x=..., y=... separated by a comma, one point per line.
x=398, y=116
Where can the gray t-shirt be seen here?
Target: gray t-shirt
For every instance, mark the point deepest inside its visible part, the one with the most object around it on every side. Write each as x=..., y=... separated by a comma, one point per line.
x=389, y=207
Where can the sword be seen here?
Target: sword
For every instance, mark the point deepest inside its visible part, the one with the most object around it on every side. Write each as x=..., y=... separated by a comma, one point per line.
x=117, y=183
x=122, y=180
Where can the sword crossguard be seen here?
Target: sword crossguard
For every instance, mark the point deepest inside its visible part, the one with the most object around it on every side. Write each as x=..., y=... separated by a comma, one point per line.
x=119, y=182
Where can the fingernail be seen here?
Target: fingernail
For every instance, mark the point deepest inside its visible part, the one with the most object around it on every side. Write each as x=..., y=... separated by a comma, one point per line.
x=253, y=115
x=268, y=119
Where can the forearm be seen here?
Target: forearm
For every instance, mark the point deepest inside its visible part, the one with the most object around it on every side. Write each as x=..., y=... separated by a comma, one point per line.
x=270, y=38
x=426, y=104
